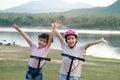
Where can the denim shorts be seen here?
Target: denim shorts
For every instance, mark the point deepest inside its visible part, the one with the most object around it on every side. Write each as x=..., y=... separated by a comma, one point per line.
x=64, y=77
x=32, y=74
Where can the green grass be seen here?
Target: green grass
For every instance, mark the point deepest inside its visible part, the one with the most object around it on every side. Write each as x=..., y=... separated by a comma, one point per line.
x=14, y=61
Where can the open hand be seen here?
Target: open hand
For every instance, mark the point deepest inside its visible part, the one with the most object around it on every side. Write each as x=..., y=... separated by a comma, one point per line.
x=103, y=40
x=56, y=24
x=15, y=26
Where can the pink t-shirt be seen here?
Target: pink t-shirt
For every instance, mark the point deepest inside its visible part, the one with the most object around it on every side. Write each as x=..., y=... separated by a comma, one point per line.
x=39, y=53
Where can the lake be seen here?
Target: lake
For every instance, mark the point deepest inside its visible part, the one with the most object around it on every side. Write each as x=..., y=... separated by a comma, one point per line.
x=110, y=50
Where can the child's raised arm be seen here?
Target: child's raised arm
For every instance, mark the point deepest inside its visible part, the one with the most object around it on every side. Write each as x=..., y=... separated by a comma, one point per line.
x=54, y=26
x=57, y=24
x=23, y=34
x=95, y=42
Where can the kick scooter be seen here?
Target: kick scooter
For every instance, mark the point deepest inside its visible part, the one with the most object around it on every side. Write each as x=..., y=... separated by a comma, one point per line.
x=39, y=61
x=72, y=58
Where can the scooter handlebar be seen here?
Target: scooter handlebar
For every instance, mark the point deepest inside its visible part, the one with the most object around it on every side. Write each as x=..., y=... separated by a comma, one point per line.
x=73, y=57
x=42, y=58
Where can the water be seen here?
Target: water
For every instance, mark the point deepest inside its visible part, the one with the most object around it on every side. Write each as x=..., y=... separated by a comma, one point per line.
x=111, y=50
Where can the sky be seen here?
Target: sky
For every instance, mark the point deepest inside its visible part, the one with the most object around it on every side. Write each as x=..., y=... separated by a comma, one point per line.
x=4, y=4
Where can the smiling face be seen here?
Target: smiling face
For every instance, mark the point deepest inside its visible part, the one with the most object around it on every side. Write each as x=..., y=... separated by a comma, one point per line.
x=71, y=40
x=42, y=42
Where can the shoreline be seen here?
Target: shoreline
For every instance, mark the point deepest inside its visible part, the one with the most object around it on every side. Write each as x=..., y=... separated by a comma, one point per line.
x=11, y=49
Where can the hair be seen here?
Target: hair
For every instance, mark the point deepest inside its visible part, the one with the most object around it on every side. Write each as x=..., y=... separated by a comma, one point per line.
x=44, y=36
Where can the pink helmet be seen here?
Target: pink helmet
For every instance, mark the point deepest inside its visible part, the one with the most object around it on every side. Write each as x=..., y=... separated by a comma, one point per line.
x=71, y=32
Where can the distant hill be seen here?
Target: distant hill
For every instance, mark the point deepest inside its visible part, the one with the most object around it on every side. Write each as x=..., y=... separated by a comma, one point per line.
x=114, y=8
x=45, y=6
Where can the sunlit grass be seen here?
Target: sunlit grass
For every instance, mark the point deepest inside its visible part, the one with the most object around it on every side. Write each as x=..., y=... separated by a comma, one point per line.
x=14, y=61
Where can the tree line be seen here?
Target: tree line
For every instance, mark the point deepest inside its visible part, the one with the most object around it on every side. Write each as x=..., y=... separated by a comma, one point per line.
x=76, y=20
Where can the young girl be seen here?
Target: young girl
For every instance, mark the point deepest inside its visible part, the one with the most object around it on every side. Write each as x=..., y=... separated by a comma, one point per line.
x=44, y=42
x=70, y=48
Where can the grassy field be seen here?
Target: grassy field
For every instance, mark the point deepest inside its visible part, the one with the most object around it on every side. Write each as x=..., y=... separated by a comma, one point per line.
x=14, y=61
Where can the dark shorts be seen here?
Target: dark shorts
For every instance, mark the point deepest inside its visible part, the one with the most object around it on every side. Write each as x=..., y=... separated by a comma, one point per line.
x=32, y=74
x=64, y=77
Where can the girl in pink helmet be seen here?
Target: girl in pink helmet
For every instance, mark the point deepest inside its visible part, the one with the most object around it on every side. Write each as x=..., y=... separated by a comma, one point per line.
x=70, y=48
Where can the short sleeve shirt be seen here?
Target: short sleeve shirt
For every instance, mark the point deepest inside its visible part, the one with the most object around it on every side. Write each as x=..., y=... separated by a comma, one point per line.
x=39, y=53
x=77, y=51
